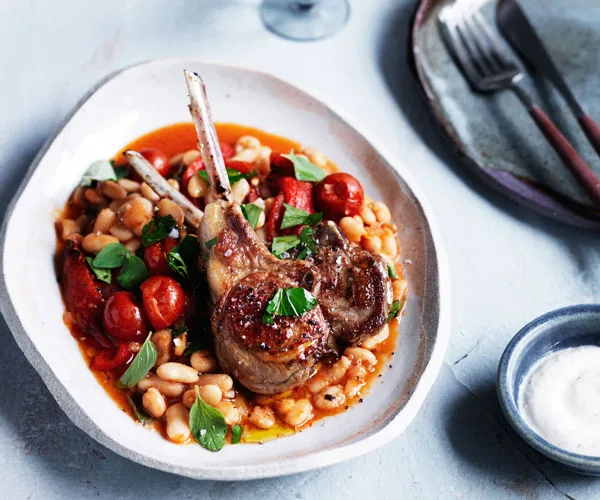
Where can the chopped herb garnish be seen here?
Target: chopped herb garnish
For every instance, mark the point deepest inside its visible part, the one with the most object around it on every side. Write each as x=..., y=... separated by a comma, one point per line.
x=297, y=217
x=139, y=411
x=102, y=274
x=282, y=244
x=133, y=272
x=211, y=243
x=394, y=309
x=304, y=169
x=188, y=248
x=177, y=264
x=289, y=302
x=100, y=170
x=233, y=175
x=392, y=271
x=252, y=213
x=157, y=230
x=236, y=434
x=207, y=424
x=111, y=256
x=121, y=172
x=142, y=363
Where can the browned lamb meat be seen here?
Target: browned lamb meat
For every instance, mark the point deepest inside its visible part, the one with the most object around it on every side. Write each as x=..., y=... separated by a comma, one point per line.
x=356, y=291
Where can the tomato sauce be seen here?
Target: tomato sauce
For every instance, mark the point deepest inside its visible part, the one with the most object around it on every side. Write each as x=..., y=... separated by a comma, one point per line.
x=175, y=139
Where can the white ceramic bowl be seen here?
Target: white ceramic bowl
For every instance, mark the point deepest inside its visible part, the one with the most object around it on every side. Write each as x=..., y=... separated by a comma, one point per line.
x=145, y=97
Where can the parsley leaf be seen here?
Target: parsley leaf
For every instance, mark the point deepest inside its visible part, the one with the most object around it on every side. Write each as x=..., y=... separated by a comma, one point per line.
x=392, y=271
x=289, y=302
x=100, y=170
x=394, y=309
x=252, y=213
x=233, y=175
x=306, y=242
x=297, y=217
x=157, y=230
x=236, y=434
x=211, y=243
x=133, y=272
x=281, y=244
x=102, y=274
x=304, y=169
x=207, y=424
x=142, y=363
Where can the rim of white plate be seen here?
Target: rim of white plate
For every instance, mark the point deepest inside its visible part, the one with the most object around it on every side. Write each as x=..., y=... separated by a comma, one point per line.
x=297, y=464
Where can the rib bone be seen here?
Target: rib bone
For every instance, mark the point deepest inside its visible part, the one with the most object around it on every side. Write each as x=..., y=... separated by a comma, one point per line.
x=208, y=143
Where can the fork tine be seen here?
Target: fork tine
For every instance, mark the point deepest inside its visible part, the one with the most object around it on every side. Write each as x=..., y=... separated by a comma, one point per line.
x=458, y=48
x=496, y=48
x=479, y=56
x=482, y=40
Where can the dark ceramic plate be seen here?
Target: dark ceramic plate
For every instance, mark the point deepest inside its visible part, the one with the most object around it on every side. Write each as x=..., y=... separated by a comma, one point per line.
x=494, y=132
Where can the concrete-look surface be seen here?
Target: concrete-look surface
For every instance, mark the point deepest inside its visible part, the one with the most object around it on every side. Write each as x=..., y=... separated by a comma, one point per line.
x=507, y=265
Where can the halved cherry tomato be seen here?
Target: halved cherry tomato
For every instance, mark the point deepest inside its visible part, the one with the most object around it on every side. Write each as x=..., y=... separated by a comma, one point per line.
x=339, y=195
x=110, y=360
x=123, y=318
x=155, y=256
x=163, y=300
x=193, y=168
x=158, y=160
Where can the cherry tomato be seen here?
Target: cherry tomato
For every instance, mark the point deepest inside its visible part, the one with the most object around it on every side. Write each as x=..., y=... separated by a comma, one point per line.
x=227, y=151
x=193, y=168
x=155, y=256
x=158, y=160
x=197, y=165
x=339, y=195
x=111, y=360
x=163, y=300
x=123, y=318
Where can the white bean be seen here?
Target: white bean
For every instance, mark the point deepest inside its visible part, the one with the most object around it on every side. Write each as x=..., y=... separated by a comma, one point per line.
x=154, y=402
x=178, y=428
x=168, y=389
x=177, y=372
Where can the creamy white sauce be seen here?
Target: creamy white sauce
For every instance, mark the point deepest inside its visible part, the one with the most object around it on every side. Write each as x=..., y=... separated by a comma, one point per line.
x=560, y=399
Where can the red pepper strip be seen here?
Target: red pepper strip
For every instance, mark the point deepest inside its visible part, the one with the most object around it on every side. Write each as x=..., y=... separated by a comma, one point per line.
x=297, y=193
x=227, y=151
x=110, y=360
x=275, y=217
x=280, y=165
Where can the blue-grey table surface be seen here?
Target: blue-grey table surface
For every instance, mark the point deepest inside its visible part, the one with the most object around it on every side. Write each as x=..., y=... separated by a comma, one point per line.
x=507, y=265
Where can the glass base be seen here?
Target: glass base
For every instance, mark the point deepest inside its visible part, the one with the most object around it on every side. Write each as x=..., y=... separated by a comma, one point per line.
x=299, y=20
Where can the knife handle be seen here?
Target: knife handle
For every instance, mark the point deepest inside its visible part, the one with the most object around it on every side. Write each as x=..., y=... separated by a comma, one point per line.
x=567, y=153
x=592, y=131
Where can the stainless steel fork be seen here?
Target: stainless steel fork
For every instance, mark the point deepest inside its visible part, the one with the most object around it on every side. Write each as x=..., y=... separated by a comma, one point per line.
x=490, y=68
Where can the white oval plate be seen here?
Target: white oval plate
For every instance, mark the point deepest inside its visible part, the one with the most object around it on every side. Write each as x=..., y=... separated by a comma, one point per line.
x=145, y=97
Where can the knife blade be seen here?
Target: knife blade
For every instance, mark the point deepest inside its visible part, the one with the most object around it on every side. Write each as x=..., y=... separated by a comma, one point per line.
x=519, y=32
